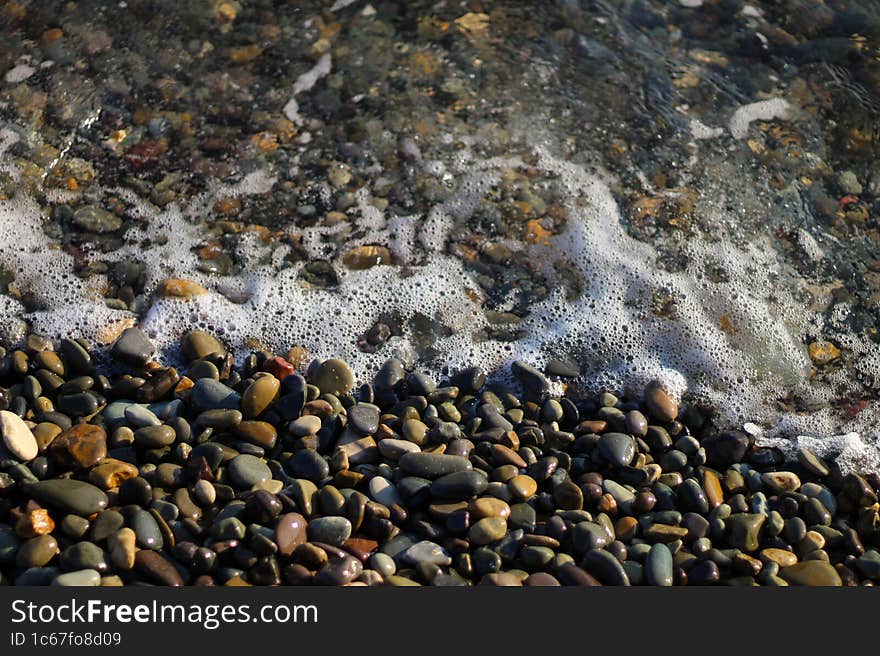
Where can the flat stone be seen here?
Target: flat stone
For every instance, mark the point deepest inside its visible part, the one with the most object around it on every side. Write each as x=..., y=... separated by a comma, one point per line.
x=92, y=218
x=427, y=552
x=812, y=463
x=617, y=448
x=394, y=449
x=812, y=573
x=79, y=578
x=84, y=555
x=259, y=395
x=79, y=447
x=133, y=346
x=17, y=437
x=333, y=376
x=69, y=495
x=432, y=465
x=363, y=418
x=139, y=416
x=781, y=481
x=487, y=530
x=208, y=394
x=247, y=470
x=155, y=437
x=383, y=491
x=332, y=530
x=586, y=536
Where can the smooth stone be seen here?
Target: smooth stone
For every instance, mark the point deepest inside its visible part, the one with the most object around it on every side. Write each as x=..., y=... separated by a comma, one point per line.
x=133, y=346
x=432, y=465
x=363, y=418
x=394, y=449
x=219, y=420
x=69, y=495
x=208, y=394
x=383, y=491
x=339, y=571
x=79, y=447
x=744, y=530
x=305, y=425
x=659, y=404
x=586, y=536
x=122, y=545
x=199, y=344
x=290, y=532
x=157, y=568
x=79, y=578
x=247, y=470
x=523, y=486
x=488, y=507
x=725, y=449
x=487, y=530
x=605, y=567
x=459, y=486
x=812, y=573
x=308, y=464
x=426, y=552
x=76, y=357
x=332, y=530
x=658, y=566
x=532, y=379
x=17, y=437
x=333, y=376
x=139, y=416
x=37, y=552
x=259, y=395
x=145, y=529
x=77, y=405
x=812, y=463
x=155, y=437
x=390, y=374
x=781, y=481
x=260, y=433
x=383, y=563
x=84, y=555
x=9, y=544
x=617, y=448
x=105, y=524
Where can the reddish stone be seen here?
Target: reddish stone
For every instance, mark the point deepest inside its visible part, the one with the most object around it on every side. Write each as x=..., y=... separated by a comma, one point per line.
x=80, y=446
x=278, y=367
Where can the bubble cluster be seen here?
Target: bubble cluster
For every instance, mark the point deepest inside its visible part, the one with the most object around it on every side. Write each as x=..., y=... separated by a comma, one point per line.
x=734, y=342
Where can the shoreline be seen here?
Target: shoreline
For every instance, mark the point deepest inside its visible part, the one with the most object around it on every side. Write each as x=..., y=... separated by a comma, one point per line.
x=280, y=473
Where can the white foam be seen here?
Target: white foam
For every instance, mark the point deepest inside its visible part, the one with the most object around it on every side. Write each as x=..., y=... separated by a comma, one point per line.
x=764, y=110
x=306, y=82
x=736, y=344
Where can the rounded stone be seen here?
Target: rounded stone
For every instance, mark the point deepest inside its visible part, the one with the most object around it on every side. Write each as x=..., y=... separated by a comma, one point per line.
x=812, y=573
x=364, y=418
x=332, y=530
x=308, y=464
x=522, y=486
x=305, y=425
x=290, y=532
x=487, y=530
x=432, y=465
x=69, y=495
x=333, y=376
x=383, y=491
x=17, y=437
x=246, y=471
x=79, y=578
x=617, y=448
x=154, y=437
x=133, y=346
x=259, y=395
x=658, y=567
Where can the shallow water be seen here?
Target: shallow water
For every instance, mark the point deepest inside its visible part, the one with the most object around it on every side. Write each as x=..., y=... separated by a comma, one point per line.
x=675, y=190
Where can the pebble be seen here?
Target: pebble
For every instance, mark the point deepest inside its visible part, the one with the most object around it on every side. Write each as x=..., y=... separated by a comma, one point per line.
x=259, y=395
x=617, y=448
x=134, y=347
x=432, y=465
x=659, y=404
x=17, y=437
x=69, y=495
x=79, y=447
x=247, y=470
x=79, y=578
x=487, y=530
x=812, y=573
x=333, y=376
x=659, y=566
x=332, y=530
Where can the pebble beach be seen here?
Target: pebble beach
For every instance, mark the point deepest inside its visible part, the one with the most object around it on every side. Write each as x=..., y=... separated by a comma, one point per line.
x=449, y=293
x=270, y=473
